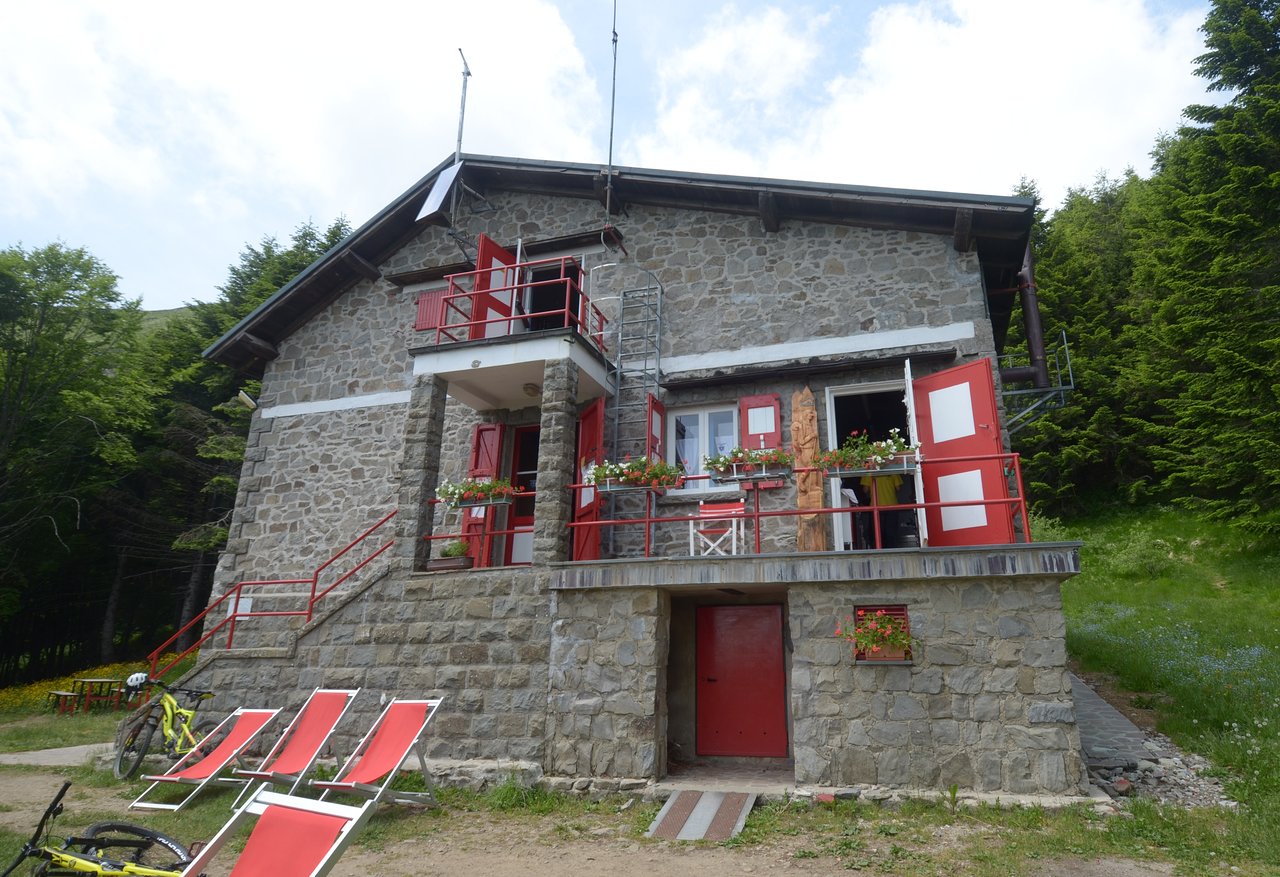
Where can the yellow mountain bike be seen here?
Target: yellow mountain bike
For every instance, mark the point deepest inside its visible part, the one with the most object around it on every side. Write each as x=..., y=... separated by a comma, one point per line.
x=110, y=848
x=177, y=724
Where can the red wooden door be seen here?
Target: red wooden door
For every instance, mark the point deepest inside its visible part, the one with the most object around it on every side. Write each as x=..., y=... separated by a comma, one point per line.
x=524, y=476
x=956, y=416
x=653, y=447
x=741, y=682
x=477, y=521
x=495, y=290
x=586, y=507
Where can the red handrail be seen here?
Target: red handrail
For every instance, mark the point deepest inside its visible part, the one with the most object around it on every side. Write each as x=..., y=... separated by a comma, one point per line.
x=234, y=593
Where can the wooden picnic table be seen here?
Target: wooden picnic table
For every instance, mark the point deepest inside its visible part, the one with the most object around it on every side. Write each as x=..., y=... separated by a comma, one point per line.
x=92, y=690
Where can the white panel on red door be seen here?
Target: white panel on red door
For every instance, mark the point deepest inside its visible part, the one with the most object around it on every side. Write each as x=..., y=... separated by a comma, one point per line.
x=951, y=410
x=957, y=488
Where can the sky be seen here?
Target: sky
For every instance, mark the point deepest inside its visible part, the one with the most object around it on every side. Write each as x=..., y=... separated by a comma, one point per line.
x=166, y=137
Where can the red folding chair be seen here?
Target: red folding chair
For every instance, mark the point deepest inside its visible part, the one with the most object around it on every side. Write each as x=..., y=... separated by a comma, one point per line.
x=371, y=768
x=293, y=837
x=720, y=528
x=200, y=767
x=295, y=753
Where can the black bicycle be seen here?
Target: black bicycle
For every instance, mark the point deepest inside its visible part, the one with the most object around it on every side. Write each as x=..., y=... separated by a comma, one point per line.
x=109, y=848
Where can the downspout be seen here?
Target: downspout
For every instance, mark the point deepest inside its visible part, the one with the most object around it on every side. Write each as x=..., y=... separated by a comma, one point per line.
x=1038, y=372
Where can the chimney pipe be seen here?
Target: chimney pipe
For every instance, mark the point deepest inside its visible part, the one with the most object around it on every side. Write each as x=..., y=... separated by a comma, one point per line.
x=1038, y=371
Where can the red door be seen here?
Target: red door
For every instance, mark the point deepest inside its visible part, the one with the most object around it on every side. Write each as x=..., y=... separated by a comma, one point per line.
x=495, y=290
x=741, y=684
x=586, y=540
x=477, y=521
x=524, y=476
x=956, y=416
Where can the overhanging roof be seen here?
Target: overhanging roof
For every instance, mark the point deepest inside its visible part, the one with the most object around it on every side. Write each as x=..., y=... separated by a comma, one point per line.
x=998, y=227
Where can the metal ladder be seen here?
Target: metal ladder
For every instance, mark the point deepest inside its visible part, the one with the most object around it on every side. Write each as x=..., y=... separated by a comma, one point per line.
x=636, y=367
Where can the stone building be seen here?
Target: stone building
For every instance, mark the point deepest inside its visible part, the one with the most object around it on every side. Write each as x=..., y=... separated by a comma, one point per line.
x=525, y=320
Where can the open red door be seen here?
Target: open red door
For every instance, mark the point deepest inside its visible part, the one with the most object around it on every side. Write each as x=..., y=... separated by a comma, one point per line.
x=495, y=290
x=956, y=416
x=477, y=521
x=586, y=540
x=653, y=447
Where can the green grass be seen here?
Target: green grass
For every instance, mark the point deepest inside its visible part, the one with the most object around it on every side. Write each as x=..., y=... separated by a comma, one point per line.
x=1188, y=614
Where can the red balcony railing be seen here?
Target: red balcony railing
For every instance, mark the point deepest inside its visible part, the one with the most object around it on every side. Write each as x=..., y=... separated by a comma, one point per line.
x=872, y=513
x=539, y=295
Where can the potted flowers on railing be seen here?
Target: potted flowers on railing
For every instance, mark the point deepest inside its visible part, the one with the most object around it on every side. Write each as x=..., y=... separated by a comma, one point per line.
x=497, y=491
x=638, y=474
x=740, y=464
x=858, y=453
x=877, y=635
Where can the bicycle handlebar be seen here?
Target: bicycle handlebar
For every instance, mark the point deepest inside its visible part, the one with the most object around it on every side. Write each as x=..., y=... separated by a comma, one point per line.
x=51, y=812
x=193, y=693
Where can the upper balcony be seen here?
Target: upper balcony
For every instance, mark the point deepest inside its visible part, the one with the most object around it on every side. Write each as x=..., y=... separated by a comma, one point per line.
x=489, y=332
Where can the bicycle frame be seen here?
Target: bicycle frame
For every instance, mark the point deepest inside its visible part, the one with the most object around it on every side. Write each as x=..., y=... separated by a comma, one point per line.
x=36, y=848
x=176, y=723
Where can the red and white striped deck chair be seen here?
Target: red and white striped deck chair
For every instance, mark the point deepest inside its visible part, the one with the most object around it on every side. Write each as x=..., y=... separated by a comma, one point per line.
x=295, y=753
x=199, y=767
x=293, y=837
x=371, y=768
x=720, y=528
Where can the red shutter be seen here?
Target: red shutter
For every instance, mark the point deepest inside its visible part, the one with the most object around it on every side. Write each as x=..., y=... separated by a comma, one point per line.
x=760, y=421
x=957, y=417
x=654, y=448
x=430, y=308
x=586, y=507
x=486, y=459
x=495, y=290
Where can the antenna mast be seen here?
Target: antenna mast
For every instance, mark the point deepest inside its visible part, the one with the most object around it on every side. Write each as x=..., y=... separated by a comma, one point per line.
x=613, y=102
x=462, y=113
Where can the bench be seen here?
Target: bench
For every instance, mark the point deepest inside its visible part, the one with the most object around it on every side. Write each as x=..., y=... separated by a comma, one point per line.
x=65, y=702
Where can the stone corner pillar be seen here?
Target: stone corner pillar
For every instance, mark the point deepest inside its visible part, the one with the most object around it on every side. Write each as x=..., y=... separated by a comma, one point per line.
x=419, y=470
x=553, y=506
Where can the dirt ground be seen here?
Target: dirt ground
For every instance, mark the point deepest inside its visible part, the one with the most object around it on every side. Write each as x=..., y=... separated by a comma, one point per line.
x=481, y=844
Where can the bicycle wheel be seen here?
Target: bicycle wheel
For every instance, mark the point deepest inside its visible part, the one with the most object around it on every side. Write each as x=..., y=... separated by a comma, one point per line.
x=133, y=747
x=201, y=732
x=125, y=842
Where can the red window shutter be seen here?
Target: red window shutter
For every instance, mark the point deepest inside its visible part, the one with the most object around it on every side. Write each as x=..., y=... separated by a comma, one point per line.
x=486, y=447
x=653, y=447
x=760, y=421
x=430, y=309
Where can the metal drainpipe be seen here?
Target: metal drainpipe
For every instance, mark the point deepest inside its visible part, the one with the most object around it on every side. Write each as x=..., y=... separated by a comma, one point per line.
x=1038, y=371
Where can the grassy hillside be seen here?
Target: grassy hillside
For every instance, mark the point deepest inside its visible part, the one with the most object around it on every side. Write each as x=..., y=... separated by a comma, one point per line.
x=1189, y=612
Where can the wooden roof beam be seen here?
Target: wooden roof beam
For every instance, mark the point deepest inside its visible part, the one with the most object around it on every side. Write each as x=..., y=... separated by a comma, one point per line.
x=769, y=215
x=963, y=232
x=360, y=265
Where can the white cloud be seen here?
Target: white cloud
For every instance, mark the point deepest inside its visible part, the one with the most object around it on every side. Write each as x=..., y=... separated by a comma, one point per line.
x=221, y=123
x=968, y=95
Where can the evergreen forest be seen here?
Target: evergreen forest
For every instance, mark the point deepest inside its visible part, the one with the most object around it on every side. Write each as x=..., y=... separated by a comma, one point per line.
x=120, y=446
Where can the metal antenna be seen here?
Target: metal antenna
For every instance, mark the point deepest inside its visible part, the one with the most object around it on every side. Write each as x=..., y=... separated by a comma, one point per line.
x=613, y=102
x=462, y=113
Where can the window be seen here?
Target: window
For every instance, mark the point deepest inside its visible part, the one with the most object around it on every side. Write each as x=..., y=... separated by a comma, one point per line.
x=886, y=631
x=697, y=433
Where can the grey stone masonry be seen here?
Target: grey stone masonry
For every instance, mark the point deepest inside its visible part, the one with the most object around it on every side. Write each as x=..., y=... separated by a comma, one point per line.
x=556, y=443
x=419, y=469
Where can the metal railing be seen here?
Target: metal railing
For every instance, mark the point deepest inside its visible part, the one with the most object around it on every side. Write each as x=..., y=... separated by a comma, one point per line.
x=230, y=602
x=461, y=319
x=753, y=513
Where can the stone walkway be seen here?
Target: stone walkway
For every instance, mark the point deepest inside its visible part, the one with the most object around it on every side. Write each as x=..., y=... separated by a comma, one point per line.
x=1108, y=738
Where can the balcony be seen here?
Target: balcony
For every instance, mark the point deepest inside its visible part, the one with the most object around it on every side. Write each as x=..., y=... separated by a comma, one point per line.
x=652, y=528
x=490, y=332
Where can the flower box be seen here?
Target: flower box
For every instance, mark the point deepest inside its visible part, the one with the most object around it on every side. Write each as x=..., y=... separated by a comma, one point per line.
x=484, y=500
x=437, y=564
x=613, y=485
x=739, y=472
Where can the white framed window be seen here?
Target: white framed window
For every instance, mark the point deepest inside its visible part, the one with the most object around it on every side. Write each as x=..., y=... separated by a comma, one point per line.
x=696, y=433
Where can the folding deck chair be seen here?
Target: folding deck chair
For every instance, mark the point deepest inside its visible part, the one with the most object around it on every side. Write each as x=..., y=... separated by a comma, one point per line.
x=397, y=732
x=720, y=528
x=293, y=837
x=294, y=754
x=199, y=768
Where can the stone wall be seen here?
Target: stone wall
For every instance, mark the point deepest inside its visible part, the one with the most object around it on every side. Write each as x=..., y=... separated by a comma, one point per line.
x=984, y=704
x=606, y=709
x=478, y=639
